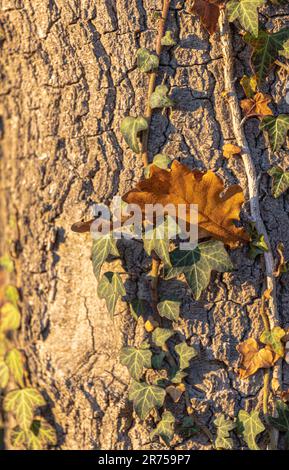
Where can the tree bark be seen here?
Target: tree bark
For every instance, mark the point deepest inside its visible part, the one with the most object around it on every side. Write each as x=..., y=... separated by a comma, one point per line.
x=68, y=77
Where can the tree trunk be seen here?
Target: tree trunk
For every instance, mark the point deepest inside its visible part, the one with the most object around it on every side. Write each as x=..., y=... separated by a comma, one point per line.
x=68, y=77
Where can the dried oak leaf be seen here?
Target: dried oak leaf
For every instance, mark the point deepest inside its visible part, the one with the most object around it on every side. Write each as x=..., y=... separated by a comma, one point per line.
x=257, y=106
x=254, y=358
x=217, y=208
x=208, y=11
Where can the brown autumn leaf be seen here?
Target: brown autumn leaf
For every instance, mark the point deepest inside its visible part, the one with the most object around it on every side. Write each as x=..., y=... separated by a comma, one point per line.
x=230, y=149
x=217, y=208
x=254, y=358
x=208, y=11
x=257, y=106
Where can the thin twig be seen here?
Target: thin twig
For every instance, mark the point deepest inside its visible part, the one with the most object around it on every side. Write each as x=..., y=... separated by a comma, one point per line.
x=152, y=81
x=226, y=44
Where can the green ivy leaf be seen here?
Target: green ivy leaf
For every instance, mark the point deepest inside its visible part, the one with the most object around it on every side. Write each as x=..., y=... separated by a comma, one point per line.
x=45, y=432
x=285, y=51
x=146, y=61
x=281, y=422
x=257, y=245
x=188, y=427
x=9, y=317
x=159, y=98
x=22, y=403
x=36, y=438
x=249, y=85
x=11, y=295
x=161, y=335
x=250, y=426
x=165, y=428
x=101, y=249
x=168, y=40
x=7, y=263
x=280, y=182
x=224, y=426
x=158, y=359
x=161, y=161
x=139, y=308
x=198, y=264
x=185, y=353
x=110, y=288
x=178, y=376
x=145, y=397
x=18, y=437
x=273, y=338
x=277, y=128
x=266, y=49
x=169, y=309
x=4, y=374
x=246, y=12
x=136, y=360
x=14, y=362
x=130, y=128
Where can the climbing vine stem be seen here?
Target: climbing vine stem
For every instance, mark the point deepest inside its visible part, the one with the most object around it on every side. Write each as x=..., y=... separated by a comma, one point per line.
x=231, y=96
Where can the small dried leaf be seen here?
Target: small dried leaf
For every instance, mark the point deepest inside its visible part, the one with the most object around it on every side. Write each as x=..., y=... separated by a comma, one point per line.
x=208, y=11
x=257, y=106
x=230, y=149
x=174, y=392
x=254, y=358
x=282, y=263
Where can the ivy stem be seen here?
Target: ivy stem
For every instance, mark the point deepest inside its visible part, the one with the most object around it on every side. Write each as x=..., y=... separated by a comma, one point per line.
x=232, y=98
x=152, y=80
x=145, y=138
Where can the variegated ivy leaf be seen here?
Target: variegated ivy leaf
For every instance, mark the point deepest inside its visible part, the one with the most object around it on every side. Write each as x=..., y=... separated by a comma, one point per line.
x=198, y=264
x=37, y=437
x=22, y=404
x=165, y=428
x=161, y=335
x=156, y=239
x=280, y=182
x=159, y=98
x=136, y=360
x=130, y=128
x=246, y=12
x=11, y=295
x=250, y=426
x=185, y=353
x=14, y=362
x=101, y=249
x=281, y=422
x=4, y=374
x=277, y=128
x=110, y=288
x=145, y=397
x=169, y=309
x=9, y=317
x=266, y=48
x=224, y=426
x=168, y=39
x=146, y=61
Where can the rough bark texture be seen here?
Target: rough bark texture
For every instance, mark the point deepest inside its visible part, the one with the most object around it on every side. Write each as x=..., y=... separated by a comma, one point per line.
x=68, y=77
